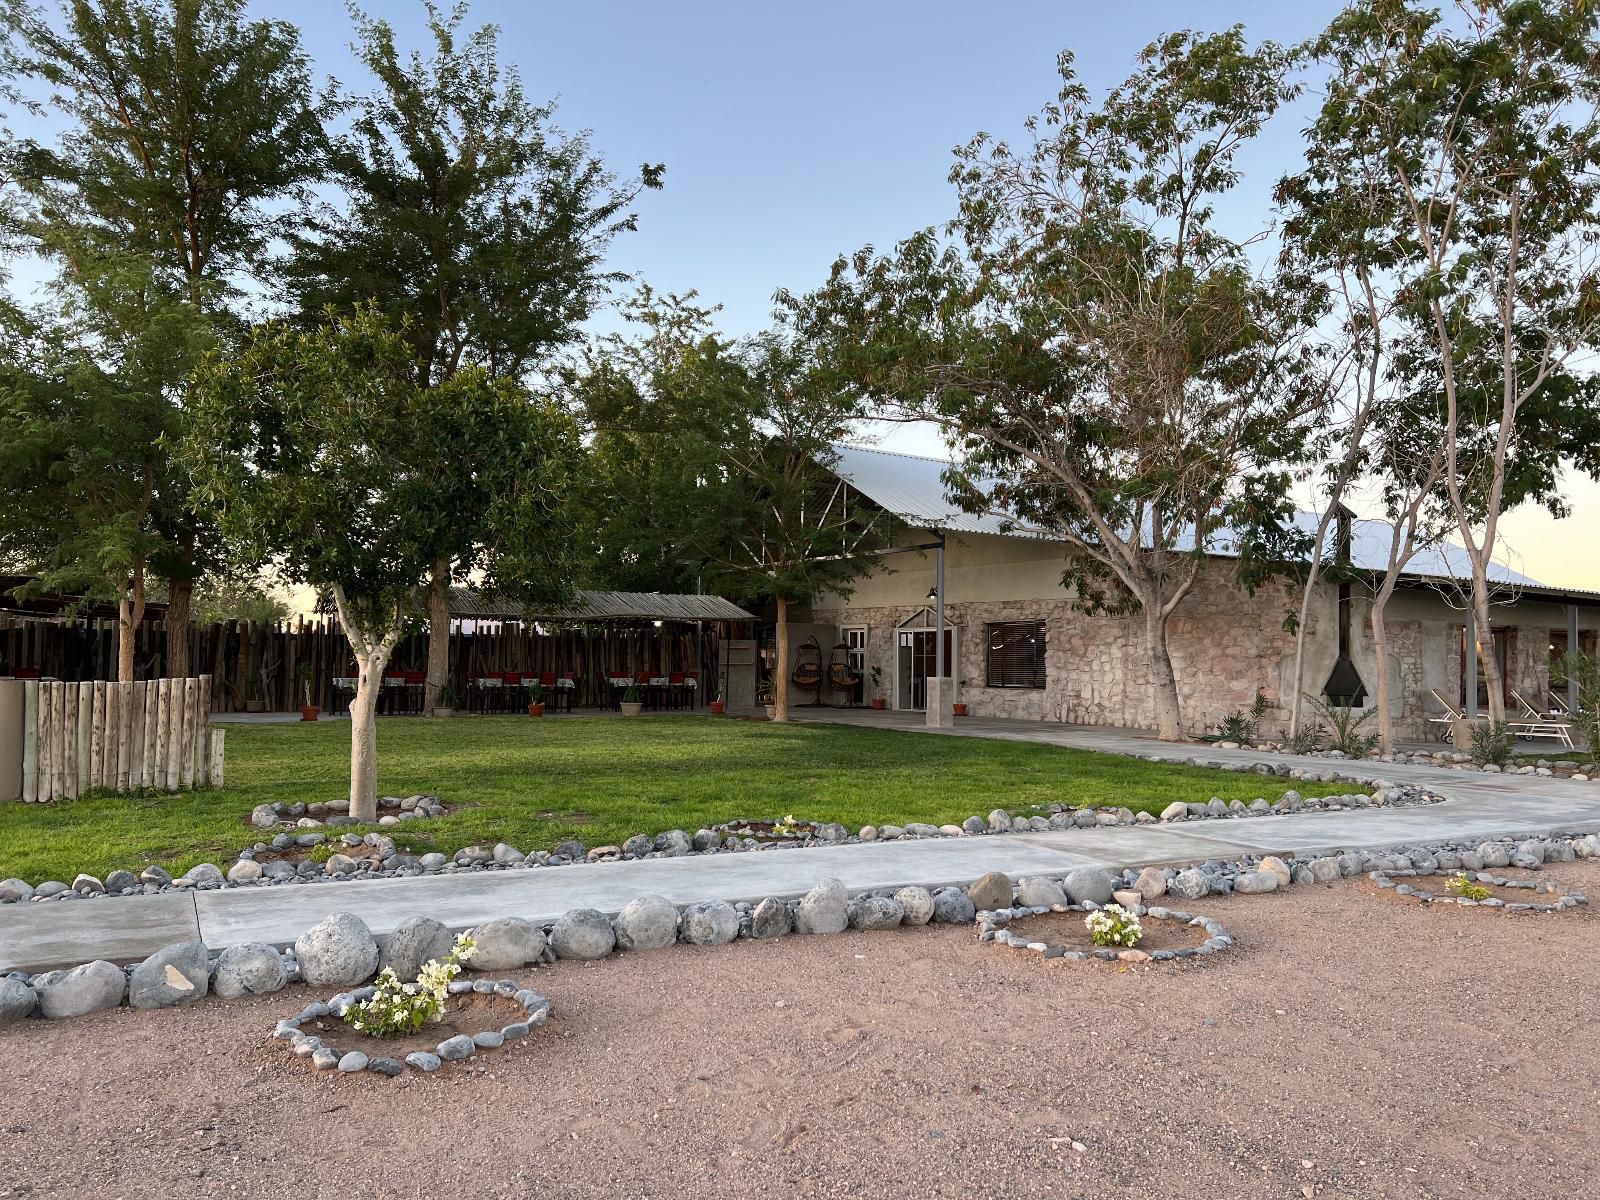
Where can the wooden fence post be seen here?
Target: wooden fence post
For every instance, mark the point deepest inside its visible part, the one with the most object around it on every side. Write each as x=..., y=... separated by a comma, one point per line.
x=97, y=746
x=186, y=742
x=152, y=740
x=69, y=740
x=85, y=736
x=216, y=735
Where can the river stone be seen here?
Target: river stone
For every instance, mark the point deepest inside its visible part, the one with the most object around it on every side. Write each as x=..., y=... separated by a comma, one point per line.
x=88, y=885
x=639, y=845
x=1037, y=891
x=337, y=951
x=583, y=933
x=823, y=909
x=15, y=889
x=1191, y=884
x=1151, y=883
x=974, y=824
x=991, y=891
x=423, y=1061
x=647, y=923
x=505, y=944
x=1325, y=870
x=770, y=919
x=1494, y=855
x=204, y=873
x=249, y=969
x=263, y=816
x=1176, y=811
x=16, y=1000
x=415, y=941
x=1278, y=867
x=246, y=870
x=875, y=912
x=1089, y=885
x=456, y=1048
x=1254, y=883
x=916, y=905
x=999, y=821
x=172, y=975
x=952, y=906
x=86, y=989
x=352, y=1061
x=674, y=843
x=710, y=923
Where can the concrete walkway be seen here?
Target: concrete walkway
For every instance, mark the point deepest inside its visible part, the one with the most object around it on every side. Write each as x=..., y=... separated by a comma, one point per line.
x=61, y=933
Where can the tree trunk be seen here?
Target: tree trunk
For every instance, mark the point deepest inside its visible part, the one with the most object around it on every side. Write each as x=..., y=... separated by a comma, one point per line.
x=1163, y=683
x=364, y=735
x=1492, y=679
x=130, y=611
x=780, y=682
x=1380, y=651
x=176, y=628
x=438, y=634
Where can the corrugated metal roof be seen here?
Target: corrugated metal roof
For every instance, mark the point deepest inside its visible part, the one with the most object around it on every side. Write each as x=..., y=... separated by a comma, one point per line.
x=912, y=487
x=600, y=606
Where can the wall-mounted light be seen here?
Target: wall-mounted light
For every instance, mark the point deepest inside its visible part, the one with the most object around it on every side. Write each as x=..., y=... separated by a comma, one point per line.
x=933, y=593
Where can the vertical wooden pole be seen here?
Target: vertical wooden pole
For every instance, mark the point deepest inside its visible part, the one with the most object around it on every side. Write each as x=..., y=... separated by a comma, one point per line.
x=44, y=787
x=60, y=759
x=69, y=740
x=163, y=719
x=202, y=723
x=150, y=740
x=30, y=740
x=97, y=736
x=174, y=734
x=136, y=740
x=186, y=746
x=215, y=737
x=85, y=735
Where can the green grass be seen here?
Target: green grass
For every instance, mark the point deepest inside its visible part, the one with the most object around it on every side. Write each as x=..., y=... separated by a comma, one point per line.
x=532, y=783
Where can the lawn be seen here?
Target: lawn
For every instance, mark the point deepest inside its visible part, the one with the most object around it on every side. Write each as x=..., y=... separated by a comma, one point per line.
x=532, y=783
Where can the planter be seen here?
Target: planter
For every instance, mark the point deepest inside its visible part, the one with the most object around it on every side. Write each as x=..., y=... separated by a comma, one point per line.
x=255, y=706
x=879, y=702
x=718, y=707
x=444, y=712
x=632, y=708
x=959, y=710
x=772, y=712
x=309, y=712
x=536, y=709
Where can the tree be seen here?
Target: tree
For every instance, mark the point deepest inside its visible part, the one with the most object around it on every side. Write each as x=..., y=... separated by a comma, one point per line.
x=1104, y=360
x=188, y=126
x=470, y=216
x=1486, y=134
x=321, y=454
x=740, y=438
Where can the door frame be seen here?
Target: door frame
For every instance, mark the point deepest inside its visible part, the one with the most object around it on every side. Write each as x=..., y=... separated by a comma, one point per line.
x=951, y=661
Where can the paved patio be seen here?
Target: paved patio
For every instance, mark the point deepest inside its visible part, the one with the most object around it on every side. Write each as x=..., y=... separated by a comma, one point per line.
x=58, y=933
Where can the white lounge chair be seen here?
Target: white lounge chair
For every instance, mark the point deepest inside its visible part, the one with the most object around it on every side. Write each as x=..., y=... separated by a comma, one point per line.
x=1447, y=722
x=1534, y=724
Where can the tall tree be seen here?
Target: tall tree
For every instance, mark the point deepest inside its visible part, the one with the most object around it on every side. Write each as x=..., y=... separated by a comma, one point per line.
x=469, y=214
x=322, y=456
x=1485, y=131
x=187, y=126
x=1101, y=355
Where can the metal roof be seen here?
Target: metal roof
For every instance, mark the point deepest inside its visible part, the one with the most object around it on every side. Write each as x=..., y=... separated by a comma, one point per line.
x=599, y=606
x=912, y=488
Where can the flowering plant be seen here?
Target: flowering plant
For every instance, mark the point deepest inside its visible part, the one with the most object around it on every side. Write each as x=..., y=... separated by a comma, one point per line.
x=400, y=1008
x=1463, y=886
x=1113, y=925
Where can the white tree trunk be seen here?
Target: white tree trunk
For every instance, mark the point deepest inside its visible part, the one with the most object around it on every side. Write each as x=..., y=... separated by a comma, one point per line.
x=780, y=682
x=1490, y=666
x=364, y=735
x=1163, y=683
x=1380, y=650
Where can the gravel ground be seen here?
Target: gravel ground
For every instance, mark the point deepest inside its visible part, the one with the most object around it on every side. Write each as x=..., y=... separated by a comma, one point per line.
x=1346, y=1048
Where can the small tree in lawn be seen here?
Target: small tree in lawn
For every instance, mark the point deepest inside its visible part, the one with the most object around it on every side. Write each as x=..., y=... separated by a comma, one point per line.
x=319, y=451
x=1103, y=358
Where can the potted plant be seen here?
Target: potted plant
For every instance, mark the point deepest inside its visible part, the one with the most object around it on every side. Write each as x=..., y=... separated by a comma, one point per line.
x=444, y=704
x=308, y=710
x=718, y=705
x=536, y=699
x=631, y=704
x=959, y=708
x=878, y=700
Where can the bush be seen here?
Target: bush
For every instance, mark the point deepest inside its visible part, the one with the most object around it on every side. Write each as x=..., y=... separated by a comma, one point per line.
x=1307, y=740
x=1492, y=743
x=1586, y=671
x=401, y=1008
x=1465, y=888
x=1113, y=925
x=1344, y=728
x=1241, y=726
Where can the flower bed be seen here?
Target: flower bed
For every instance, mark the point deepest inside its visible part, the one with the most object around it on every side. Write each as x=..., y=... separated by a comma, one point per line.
x=1479, y=889
x=1005, y=927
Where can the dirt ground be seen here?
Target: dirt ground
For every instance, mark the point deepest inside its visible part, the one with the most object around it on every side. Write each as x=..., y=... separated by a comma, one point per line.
x=1346, y=1048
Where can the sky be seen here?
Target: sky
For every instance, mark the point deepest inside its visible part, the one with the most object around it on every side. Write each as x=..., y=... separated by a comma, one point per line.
x=793, y=133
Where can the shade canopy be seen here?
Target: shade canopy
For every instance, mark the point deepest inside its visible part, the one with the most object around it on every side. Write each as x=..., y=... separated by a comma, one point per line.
x=469, y=605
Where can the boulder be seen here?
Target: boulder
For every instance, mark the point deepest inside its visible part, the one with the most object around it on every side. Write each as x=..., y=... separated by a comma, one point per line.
x=1037, y=891
x=87, y=885
x=85, y=989
x=583, y=933
x=824, y=909
x=1278, y=867
x=710, y=923
x=1176, y=811
x=15, y=889
x=507, y=855
x=246, y=870
x=952, y=906
x=414, y=941
x=1325, y=870
x=337, y=951
x=263, y=816
x=1089, y=885
x=505, y=944
x=875, y=912
x=916, y=905
x=1494, y=855
x=1254, y=883
x=204, y=873
x=1189, y=885
x=647, y=923
x=770, y=919
x=974, y=825
x=249, y=969
x=1151, y=883
x=639, y=845
x=674, y=843
x=991, y=891
x=16, y=1000
x=174, y=974
x=999, y=821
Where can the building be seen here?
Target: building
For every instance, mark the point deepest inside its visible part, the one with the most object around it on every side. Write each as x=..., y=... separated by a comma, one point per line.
x=1022, y=650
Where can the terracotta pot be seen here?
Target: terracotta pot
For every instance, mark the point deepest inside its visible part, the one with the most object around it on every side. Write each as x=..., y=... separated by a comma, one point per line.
x=959, y=710
x=309, y=712
x=633, y=708
x=536, y=709
x=879, y=702
x=718, y=707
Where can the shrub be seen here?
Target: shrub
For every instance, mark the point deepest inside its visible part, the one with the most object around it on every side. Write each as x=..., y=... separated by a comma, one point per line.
x=1305, y=741
x=1344, y=728
x=1113, y=925
x=1492, y=742
x=1241, y=726
x=1586, y=671
x=400, y=1008
x=1465, y=888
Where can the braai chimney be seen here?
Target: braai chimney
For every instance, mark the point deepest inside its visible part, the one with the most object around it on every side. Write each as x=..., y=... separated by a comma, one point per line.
x=1344, y=686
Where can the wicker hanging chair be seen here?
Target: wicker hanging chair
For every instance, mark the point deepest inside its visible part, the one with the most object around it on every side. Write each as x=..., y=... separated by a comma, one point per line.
x=842, y=677
x=807, y=674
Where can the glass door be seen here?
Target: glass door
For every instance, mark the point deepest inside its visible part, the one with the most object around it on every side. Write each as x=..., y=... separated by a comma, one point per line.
x=918, y=660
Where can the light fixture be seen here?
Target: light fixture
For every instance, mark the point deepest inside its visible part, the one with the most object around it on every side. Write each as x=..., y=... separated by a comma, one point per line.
x=933, y=593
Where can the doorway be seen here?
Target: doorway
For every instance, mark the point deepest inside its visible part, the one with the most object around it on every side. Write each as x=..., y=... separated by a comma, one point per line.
x=918, y=659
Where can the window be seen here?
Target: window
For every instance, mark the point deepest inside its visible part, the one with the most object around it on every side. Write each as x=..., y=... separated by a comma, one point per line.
x=1016, y=654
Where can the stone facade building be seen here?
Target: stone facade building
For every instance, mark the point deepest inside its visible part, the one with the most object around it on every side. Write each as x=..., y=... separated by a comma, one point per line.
x=1022, y=649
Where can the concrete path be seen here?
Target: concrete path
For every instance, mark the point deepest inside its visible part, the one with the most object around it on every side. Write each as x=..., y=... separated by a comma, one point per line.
x=61, y=933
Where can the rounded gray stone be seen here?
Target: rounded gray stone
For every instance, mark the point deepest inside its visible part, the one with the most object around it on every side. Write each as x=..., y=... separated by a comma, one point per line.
x=916, y=905
x=583, y=933
x=647, y=923
x=353, y=1060
x=505, y=944
x=249, y=969
x=337, y=951
x=875, y=912
x=1038, y=891
x=710, y=923
x=415, y=941
x=456, y=1048
x=770, y=919
x=999, y=821
x=1089, y=885
x=1254, y=883
x=246, y=870
x=1190, y=884
x=172, y=975
x=674, y=843
x=15, y=889
x=16, y=1000
x=204, y=873
x=84, y=989
x=423, y=1061
x=952, y=906
x=824, y=909
x=991, y=891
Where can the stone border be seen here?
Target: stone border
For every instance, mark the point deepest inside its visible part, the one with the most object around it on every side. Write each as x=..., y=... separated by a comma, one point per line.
x=992, y=928
x=402, y=809
x=1452, y=760
x=1386, y=879
x=325, y=1057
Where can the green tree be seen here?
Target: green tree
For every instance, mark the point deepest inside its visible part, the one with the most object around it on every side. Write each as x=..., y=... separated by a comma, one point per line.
x=467, y=214
x=188, y=125
x=322, y=455
x=1484, y=135
x=1104, y=359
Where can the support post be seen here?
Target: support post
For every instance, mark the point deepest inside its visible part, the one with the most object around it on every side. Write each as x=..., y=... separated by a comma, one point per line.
x=940, y=712
x=1469, y=667
x=1572, y=648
